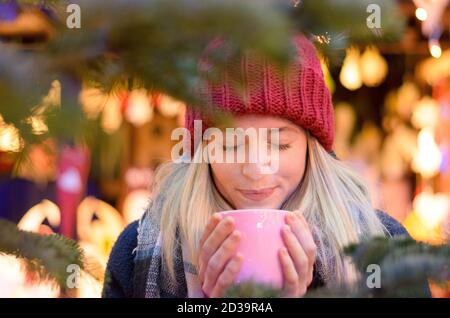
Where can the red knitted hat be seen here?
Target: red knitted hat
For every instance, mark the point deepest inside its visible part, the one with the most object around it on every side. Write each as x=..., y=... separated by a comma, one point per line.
x=300, y=94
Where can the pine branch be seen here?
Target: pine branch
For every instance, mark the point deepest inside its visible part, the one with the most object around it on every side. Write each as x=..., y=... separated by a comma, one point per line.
x=24, y=80
x=160, y=42
x=252, y=289
x=339, y=24
x=379, y=249
x=47, y=256
x=157, y=44
x=405, y=268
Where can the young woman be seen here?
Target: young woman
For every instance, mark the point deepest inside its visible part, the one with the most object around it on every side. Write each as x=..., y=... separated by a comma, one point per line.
x=182, y=248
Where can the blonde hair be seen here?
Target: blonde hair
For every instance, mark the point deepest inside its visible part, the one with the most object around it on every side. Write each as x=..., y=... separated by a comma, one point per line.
x=331, y=196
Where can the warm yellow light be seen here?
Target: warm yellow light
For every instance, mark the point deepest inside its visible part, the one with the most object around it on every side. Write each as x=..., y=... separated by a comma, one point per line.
x=13, y=276
x=93, y=101
x=169, y=106
x=89, y=287
x=134, y=205
x=420, y=230
x=350, y=75
x=432, y=208
x=428, y=158
x=15, y=281
x=435, y=50
x=101, y=233
x=421, y=14
x=111, y=115
x=140, y=109
x=38, y=125
x=9, y=137
x=373, y=67
x=53, y=98
x=35, y=217
x=426, y=113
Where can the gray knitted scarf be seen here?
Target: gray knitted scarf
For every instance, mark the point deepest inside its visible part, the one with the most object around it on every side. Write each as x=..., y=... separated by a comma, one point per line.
x=151, y=279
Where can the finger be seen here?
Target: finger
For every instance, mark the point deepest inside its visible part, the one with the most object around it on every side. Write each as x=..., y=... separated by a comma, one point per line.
x=291, y=282
x=310, y=246
x=213, y=221
x=218, y=261
x=310, y=277
x=304, y=236
x=297, y=254
x=212, y=243
x=228, y=276
x=298, y=214
x=303, y=219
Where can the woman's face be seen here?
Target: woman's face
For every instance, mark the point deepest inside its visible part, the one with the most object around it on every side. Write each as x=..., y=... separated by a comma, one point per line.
x=249, y=184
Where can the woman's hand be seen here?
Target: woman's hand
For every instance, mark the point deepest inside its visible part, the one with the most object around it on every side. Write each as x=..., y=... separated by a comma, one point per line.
x=218, y=261
x=299, y=255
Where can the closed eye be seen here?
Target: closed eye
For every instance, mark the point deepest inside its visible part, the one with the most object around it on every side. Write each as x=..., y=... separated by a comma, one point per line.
x=230, y=148
x=283, y=147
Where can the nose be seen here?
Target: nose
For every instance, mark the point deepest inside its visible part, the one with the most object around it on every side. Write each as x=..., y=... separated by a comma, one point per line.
x=253, y=171
x=257, y=169
x=258, y=160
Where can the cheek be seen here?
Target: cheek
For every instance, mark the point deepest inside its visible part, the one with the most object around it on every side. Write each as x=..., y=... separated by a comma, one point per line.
x=224, y=175
x=292, y=166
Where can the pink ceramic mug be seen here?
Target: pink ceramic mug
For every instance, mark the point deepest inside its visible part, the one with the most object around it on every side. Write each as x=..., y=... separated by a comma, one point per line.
x=260, y=244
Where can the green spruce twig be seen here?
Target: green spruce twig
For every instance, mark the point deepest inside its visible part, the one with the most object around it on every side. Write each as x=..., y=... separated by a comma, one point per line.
x=46, y=256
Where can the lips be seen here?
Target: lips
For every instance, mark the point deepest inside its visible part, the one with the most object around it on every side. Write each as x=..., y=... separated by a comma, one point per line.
x=257, y=195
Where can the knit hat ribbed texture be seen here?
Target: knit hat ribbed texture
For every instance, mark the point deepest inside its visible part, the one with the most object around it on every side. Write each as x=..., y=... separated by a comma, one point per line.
x=298, y=94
